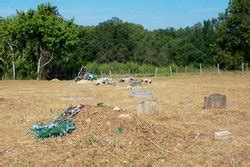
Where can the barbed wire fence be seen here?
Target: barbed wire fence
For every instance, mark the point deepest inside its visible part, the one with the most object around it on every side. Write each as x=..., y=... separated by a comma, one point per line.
x=174, y=70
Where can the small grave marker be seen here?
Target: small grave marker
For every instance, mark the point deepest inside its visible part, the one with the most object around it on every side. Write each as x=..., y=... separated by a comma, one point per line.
x=215, y=101
x=149, y=108
x=222, y=135
x=136, y=84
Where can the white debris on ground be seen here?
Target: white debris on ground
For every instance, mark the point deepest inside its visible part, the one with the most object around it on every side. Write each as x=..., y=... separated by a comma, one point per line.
x=127, y=80
x=146, y=80
x=222, y=135
x=116, y=108
x=129, y=115
x=106, y=81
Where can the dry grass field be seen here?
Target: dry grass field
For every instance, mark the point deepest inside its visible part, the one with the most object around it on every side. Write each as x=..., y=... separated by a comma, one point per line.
x=155, y=141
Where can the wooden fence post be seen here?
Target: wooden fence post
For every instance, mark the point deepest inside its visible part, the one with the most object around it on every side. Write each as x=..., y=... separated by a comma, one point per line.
x=218, y=68
x=246, y=67
x=242, y=67
x=200, y=69
x=170, y=69
x=155, y=71
x=129, y=71
x=110, y=73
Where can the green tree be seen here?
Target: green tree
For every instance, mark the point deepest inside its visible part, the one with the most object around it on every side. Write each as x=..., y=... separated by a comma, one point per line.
x=51, y=35
x=232, y=45
x=13, y=40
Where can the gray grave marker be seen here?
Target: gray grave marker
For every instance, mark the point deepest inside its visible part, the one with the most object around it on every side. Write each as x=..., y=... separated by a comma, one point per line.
x=149, y=108
x=215, y=101
x=136, y=84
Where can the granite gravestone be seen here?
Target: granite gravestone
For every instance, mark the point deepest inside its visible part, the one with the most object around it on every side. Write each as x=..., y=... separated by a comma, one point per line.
x=149, y=108
x=215, y=101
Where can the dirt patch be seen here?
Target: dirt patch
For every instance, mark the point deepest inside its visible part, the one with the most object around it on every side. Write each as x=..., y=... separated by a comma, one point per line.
x=102, y=128
x=84, y=82
x=2, y=100
x=101, y=138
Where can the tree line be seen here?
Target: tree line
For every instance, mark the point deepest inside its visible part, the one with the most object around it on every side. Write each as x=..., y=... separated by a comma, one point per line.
x=40, y=43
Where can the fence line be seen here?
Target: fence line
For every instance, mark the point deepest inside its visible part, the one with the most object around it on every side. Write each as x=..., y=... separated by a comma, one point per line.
x=150, y=71
x=158, y=71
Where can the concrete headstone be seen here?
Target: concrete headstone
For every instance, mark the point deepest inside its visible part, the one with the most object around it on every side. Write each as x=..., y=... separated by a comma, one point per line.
x=215, y=101
x=149, y=108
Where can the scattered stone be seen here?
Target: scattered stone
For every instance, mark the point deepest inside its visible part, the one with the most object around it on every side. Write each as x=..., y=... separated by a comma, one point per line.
x=88, y=120
x=125, y=116
x=215, y=101
x=116, y=109
x=55, y=80
x=222, y=135
x=111, y=142
x=149, y=108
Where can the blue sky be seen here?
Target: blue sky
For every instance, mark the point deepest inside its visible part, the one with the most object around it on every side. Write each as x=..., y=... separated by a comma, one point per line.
x=152, y=14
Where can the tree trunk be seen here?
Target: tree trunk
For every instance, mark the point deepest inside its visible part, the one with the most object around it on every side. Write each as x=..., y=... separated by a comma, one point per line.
x=13, y=69
x=40, y=64
x=39, y=71
x=13, y=62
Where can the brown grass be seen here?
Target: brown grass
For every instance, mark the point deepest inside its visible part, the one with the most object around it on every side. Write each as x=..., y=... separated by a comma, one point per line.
x=156, y=140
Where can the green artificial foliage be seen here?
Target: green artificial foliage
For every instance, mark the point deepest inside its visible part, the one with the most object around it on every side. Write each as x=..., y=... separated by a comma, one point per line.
x=60, y=128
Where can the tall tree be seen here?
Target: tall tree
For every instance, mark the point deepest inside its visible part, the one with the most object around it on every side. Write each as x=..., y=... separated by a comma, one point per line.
x=51, y=35
x=233, y=37
x=13, y=40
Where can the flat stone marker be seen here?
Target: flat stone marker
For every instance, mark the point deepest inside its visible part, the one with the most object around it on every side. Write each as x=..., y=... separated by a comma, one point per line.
x=142, y=95
x=222, y=135
x=215, y=101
